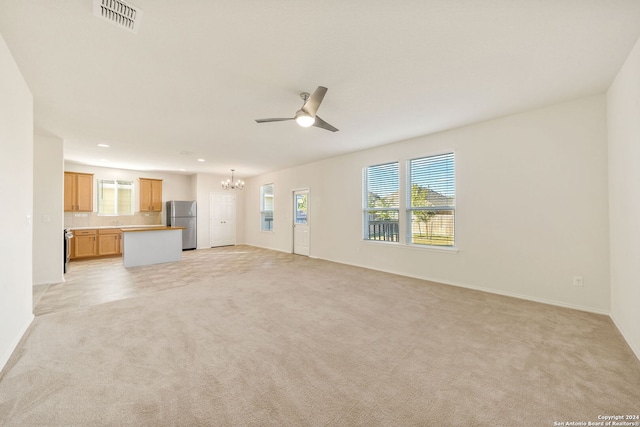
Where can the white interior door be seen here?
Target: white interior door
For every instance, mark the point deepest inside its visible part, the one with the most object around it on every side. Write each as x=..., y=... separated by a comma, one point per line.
x=222, y=220
x=301, y=222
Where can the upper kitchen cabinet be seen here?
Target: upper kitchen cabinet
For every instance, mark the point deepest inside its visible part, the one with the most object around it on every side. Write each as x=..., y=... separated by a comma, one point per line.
x=78, y=192
x=150, y=195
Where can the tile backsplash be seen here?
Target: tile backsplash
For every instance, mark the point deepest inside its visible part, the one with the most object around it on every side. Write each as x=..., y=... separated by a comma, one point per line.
x=92, y=219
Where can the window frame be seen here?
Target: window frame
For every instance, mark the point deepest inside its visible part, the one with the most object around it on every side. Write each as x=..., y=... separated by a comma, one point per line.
x=450, y=185
x=263, y=210
x=405, y=209
x=389, y=233
x=117, y=184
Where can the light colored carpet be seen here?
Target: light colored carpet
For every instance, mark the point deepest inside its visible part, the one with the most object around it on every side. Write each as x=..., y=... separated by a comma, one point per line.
x=289, y=340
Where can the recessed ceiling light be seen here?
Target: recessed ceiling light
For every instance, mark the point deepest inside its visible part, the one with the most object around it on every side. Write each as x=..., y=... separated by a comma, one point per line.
x=103, y=145
x=201, y=160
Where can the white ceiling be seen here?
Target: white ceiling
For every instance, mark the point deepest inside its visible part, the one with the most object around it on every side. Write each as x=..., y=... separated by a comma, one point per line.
x=198, y=73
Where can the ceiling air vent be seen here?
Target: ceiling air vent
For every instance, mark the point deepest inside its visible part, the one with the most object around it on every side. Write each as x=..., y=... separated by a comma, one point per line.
x=118, y=12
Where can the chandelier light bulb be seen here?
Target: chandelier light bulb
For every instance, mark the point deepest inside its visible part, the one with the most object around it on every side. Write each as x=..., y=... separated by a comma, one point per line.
x=229, y=184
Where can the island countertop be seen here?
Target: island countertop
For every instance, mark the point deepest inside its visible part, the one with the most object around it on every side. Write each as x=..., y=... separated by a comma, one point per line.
x=127, y=230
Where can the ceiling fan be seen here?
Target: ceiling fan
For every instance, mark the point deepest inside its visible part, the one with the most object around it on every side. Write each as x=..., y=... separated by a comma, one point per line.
x=306, y=116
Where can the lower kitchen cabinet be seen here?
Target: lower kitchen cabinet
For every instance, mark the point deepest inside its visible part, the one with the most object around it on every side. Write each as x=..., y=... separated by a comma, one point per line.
x=84, y=244
x=96, y=243
x=110, y=241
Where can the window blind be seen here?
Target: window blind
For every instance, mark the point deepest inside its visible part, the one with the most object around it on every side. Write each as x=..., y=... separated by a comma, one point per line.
x=431, y=200
x=266, y=207
x=381, y=202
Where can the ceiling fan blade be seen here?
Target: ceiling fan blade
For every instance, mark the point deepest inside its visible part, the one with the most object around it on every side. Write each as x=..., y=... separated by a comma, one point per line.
x=319, y=123
x=313, y=103
x=273, y=120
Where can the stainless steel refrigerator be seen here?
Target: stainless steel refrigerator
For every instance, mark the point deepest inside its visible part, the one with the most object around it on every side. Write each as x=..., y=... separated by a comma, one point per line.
x=183, y=214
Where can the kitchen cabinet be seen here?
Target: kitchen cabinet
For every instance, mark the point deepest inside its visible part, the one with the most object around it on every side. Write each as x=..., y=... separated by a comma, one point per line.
x=78, y=192
x=96, y=242
x=109, y=241
x=150, y=195
x=84, y=244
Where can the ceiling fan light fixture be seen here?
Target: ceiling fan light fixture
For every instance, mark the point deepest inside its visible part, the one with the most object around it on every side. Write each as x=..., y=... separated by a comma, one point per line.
x=306, y=116
x=304, y=120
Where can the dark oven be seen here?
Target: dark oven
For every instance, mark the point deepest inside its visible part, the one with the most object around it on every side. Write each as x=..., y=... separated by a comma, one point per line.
x=68, y=235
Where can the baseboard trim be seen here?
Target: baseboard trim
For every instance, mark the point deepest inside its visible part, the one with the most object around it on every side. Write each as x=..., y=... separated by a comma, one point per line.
x=488, y=290
x=268, y=248
x=527, y=297
x=7, y=355
x=634, y=348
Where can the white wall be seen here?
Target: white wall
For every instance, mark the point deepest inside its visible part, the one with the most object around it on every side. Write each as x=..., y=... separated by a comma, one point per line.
x=284, y=182
x=205, y=185
x=623, y=107
x=16, y=174
x=174, y=186
x=531, y=207
x=48, y=220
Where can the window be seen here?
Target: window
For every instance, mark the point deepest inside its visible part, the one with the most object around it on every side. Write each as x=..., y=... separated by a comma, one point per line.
x=302, y=208
x=266, y=207
x=431, y=201
x=115, y=197
x=381, y=202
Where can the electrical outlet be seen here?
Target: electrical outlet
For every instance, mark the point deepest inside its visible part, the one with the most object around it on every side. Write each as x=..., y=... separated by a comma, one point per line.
x=577, y=281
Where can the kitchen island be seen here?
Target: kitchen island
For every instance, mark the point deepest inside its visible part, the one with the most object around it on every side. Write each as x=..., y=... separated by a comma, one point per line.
x=146, y=246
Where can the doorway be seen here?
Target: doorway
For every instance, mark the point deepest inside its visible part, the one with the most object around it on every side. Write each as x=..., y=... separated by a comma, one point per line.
x=301, y=222
x=222, y=219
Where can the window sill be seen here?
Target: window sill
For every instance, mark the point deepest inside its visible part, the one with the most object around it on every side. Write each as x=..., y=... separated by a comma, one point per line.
x=439, y=249
x=445, y=249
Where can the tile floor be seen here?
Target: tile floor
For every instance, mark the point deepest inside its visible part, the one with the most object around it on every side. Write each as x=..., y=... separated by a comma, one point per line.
x=98, y=281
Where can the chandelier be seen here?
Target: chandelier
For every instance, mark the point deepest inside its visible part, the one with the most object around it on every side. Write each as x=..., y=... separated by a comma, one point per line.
x=230, y=184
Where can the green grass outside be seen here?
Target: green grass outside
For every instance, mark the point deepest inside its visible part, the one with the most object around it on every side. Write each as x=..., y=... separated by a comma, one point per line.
x=434, y=240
